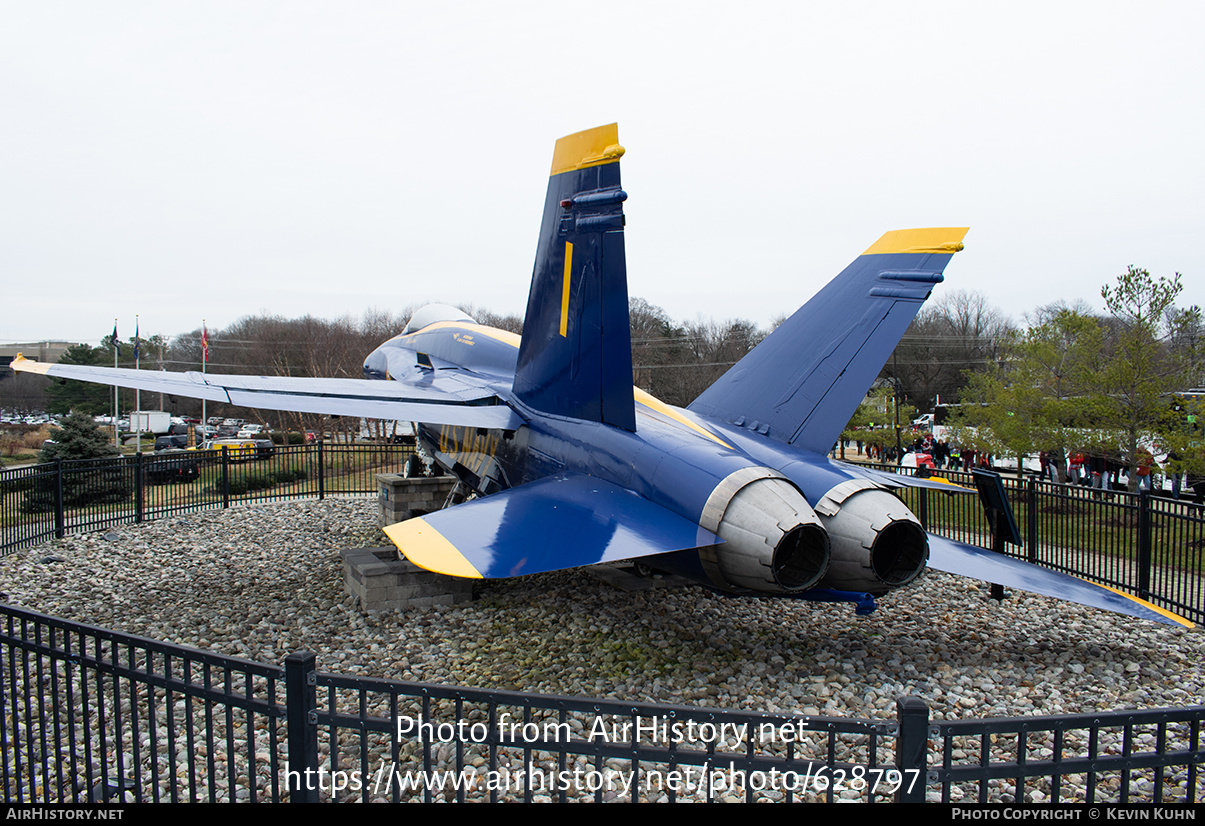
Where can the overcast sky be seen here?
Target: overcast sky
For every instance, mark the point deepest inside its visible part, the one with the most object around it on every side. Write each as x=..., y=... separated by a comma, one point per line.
x=218, y=159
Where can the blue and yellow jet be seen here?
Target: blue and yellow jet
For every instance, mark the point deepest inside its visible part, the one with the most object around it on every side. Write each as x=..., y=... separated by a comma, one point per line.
x=573, y=466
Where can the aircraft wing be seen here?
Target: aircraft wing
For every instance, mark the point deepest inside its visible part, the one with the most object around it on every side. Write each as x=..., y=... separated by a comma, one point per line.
x=432, y=396
x=977, y=563
x=558, y=522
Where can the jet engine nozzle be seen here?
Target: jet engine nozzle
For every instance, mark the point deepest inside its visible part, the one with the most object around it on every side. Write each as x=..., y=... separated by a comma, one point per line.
x=773, y=540
x=877, y=542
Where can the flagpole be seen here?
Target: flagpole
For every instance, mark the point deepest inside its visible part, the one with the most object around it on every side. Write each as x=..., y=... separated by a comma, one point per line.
x=116, y=350
x=137, y=391
x=204, y=361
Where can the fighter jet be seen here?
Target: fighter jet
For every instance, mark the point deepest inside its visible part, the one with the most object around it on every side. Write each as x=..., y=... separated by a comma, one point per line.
x=570, y=465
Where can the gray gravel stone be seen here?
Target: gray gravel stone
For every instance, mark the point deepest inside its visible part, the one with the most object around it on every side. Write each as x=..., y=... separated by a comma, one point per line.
x=264, y=580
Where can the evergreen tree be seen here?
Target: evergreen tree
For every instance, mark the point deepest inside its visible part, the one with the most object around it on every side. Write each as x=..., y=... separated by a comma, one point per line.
x=65, y=396
x=77, y=437
x=84, y=482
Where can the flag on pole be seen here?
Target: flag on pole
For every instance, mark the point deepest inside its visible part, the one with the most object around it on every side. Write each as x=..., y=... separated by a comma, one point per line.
x=116, y=341
x=135, y=339
x=204, y=343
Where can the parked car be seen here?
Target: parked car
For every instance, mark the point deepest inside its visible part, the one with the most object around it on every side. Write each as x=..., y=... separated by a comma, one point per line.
x=171, y=442
x=264, y=447
x=171, y=466
x=238, y=450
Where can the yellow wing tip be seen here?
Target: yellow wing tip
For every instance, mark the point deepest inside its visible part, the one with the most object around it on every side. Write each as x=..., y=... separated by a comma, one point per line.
x=592, y=147
x=24, y=365
x=1176, y=618
x=427, y=548
x=926, y=240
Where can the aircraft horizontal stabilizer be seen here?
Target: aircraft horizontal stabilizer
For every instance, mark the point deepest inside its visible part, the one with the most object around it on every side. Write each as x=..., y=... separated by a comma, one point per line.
x=447, y=398
x=977, y=563
x=558, y=522
x=898, y=480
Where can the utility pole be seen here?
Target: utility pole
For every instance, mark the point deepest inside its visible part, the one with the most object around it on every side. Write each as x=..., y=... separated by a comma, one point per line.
x=895, y=385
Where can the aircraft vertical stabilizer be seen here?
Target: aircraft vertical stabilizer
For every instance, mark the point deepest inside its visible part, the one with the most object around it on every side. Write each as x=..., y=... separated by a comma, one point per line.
x=576, y=355
x=805, y=380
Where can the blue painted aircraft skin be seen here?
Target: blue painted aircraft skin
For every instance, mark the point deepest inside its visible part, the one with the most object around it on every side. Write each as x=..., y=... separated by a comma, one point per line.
x=573, y=466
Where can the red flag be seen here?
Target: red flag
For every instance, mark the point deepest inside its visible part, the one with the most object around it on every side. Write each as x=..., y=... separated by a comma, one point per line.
x=204, y=344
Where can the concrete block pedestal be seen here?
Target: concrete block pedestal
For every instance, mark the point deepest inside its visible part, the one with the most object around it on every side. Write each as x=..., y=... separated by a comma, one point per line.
x=379, y=578
x=400, y=498
x=380, y=581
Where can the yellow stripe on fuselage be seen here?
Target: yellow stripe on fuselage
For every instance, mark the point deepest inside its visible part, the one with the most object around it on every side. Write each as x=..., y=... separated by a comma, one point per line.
x=932, y=239
x=565, y=289
x=593, y=147
x=653, y=403
x=1176, y=618
x=493, y=332
x=427, y=548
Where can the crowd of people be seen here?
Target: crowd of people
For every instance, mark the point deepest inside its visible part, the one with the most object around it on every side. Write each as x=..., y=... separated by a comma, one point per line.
x=1093, y=469
x=1109, y=472
x=931, y=453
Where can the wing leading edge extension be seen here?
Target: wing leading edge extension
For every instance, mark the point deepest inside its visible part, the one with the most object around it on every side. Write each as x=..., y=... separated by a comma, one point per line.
x=801, y=385
x=446, y=397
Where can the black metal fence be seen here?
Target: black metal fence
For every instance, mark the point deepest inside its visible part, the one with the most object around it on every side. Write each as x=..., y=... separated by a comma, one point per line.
x=91, y=715
x=45, y=501
x=1149, y=546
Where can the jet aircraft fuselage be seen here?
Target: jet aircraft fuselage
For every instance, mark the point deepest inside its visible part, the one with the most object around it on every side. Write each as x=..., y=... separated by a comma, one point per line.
x=690, y=467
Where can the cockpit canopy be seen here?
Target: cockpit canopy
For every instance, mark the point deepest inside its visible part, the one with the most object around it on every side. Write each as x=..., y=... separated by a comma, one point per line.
x=433, y=313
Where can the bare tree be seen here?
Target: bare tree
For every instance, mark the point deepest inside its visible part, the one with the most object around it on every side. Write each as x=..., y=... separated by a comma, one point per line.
x=959, y=334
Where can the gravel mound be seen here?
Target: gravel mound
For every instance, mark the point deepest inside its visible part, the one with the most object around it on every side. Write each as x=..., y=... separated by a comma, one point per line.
x=262, y=581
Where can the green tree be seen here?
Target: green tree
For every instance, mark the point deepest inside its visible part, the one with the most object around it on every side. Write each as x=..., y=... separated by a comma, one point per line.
x=77, y=437
x=65, y=396
x=874, y=420
x=84, y=482
x=1151, y=353
x=1037, y=401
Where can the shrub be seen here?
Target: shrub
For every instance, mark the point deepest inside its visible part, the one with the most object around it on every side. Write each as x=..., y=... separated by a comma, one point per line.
x=84, y=483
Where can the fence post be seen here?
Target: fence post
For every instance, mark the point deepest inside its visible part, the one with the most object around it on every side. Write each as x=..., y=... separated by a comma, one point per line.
x=225, y=477
x=1031, y=519
x=301, y=719
x=912, y=748
x=60, y=520
x=138, y=491
x=1145, y=552
x=321, y=474
x=924, y=508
